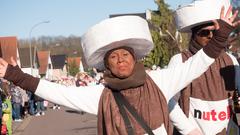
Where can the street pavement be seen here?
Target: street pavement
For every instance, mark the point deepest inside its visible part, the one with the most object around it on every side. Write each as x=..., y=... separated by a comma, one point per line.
x=57, y=122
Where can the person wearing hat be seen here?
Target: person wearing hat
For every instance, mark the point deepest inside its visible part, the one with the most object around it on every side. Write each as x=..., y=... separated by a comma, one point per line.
x=205, y=102
x=131, y=101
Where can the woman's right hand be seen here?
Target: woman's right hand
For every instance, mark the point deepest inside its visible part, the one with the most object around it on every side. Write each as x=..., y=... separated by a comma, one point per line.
x=3, y=67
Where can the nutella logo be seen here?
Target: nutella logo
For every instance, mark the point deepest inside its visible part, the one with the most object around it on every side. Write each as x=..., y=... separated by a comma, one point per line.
x=213, y=115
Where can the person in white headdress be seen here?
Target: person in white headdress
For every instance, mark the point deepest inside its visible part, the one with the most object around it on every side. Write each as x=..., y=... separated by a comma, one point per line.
x=204, y=107
x=131, y=101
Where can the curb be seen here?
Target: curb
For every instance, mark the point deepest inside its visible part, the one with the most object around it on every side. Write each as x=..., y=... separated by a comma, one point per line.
x=19, y=129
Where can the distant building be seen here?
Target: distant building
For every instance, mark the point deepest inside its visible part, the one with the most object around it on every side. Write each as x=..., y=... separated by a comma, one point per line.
x=78, y=61
x=24, y=55
x=45, y=64
x=8, y=49
x=59, y=66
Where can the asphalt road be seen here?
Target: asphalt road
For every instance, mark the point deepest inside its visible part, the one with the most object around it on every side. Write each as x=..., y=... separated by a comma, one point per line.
x=57, y=122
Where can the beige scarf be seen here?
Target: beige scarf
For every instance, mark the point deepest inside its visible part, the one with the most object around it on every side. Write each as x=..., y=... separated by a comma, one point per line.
x=142, y=93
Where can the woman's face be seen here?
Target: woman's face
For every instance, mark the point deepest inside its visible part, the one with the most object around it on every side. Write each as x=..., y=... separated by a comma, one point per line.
x=203, y=36
x=121, y=63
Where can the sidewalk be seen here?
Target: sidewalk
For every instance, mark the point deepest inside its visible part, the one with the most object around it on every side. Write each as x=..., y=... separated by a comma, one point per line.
x=18, y=127
x=65, y=121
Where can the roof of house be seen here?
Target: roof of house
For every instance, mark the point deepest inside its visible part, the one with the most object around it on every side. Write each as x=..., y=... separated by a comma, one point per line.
x=43, y=57
x=8, y=48
x=24, y=54
x=58, y=61
x=76, y=59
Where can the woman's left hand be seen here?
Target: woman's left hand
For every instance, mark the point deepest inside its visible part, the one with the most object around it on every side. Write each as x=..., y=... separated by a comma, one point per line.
x=228, y=17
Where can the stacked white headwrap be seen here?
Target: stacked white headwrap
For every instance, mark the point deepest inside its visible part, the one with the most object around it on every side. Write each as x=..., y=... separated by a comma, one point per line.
x=131, y=31
x=199, y=12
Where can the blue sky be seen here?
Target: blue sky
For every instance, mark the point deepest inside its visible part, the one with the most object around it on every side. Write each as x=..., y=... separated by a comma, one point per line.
x=67, y=17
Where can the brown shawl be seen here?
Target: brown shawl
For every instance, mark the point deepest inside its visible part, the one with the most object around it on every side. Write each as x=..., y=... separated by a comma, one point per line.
x=142, y=93
x=215, y=84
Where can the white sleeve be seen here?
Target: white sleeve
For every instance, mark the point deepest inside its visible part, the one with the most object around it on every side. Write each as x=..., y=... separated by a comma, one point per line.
x=172, y=80
x=84, y=98
x=175, y=60
x=234, y=60
x=179, y=119
x=177, y=116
